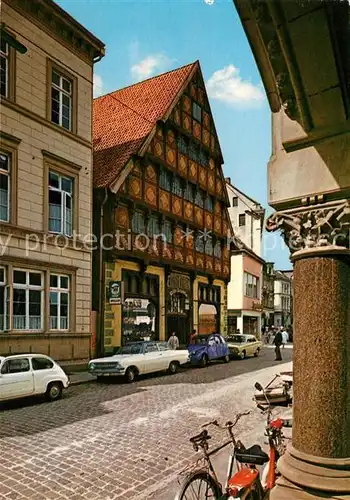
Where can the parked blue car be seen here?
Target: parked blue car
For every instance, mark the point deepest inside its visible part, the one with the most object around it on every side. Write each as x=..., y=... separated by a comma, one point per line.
x=208, y=348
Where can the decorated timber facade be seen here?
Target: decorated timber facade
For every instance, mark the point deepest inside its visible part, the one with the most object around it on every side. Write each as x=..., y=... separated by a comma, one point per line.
x=169, y=222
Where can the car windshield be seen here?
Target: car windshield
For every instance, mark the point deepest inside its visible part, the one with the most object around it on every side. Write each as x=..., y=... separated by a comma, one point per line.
x=238, y=339
x=201, y=340
x=131, y=349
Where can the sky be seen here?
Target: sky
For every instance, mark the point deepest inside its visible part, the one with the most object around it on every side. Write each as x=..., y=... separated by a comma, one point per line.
x=148, y=37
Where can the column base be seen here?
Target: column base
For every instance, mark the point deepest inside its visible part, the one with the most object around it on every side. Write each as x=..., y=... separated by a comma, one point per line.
x=306, y=477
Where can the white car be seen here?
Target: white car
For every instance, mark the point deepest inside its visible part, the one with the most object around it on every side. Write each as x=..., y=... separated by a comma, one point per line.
x=136, y=358
x=25, y=375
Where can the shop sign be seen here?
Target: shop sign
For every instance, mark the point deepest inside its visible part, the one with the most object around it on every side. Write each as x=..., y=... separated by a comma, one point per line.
x=115, y=292
x=257, y=306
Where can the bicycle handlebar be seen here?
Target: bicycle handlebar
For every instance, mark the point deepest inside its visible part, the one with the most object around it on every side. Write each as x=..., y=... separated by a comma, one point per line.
x=228, y=424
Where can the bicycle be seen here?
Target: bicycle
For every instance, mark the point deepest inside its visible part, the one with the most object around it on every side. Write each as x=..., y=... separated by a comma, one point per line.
x=204, y=479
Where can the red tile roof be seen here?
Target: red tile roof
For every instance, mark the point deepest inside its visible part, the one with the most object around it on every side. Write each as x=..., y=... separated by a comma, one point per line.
x=123, y=120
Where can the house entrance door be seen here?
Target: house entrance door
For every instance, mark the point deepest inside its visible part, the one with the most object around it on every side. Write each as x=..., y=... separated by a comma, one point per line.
x=179, y=324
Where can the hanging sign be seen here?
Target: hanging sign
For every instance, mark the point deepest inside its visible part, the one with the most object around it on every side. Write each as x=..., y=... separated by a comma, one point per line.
x=115, y=292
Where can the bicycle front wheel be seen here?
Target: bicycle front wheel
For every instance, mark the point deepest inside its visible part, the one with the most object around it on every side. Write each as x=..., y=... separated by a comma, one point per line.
x=199, y=486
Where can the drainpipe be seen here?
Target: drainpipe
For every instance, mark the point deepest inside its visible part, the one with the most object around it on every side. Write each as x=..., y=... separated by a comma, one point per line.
x=100, y=343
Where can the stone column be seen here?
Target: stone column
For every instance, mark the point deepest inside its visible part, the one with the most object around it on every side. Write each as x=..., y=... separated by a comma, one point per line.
x=317, y=464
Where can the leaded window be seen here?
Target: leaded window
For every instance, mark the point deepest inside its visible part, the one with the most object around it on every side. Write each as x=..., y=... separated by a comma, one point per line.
x=165, y=180
x=177, y=186
x=138, y=223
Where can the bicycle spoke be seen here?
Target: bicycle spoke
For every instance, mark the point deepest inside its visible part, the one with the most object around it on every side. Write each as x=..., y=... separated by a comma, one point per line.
x=199, y=489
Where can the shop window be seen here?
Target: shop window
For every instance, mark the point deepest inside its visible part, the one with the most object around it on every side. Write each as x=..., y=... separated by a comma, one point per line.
x=207, y=318
x=139, y=319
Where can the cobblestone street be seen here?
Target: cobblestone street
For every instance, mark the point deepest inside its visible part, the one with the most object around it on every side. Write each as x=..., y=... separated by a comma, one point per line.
x=112, y=440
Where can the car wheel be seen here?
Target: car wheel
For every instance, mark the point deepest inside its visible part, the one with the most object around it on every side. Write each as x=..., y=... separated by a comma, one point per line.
x=173, y=367
x=243, y=355
x=256, y=354
x=130, y=375
x=227, y=358
x=204, y=361
x=54, y=391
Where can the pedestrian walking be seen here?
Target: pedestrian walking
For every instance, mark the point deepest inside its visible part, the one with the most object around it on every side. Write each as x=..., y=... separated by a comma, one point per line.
x=193, y=336
x=173, y=342
x=278, y=342
x=285, y=337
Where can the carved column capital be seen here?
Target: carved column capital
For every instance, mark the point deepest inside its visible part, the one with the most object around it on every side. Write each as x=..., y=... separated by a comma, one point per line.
x=314, y=227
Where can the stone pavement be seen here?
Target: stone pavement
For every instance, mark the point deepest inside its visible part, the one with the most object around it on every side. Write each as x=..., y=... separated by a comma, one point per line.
x=116, y=441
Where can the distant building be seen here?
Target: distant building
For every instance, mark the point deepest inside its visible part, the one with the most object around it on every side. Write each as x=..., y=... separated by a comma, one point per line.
x=283, y=298
x=268, y=294
x=244, y=301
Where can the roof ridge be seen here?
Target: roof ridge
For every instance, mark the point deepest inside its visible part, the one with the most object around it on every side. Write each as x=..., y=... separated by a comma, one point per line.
x=146, y=80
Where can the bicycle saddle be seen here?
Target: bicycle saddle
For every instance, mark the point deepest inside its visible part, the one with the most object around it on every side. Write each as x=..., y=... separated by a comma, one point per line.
x=253, y=455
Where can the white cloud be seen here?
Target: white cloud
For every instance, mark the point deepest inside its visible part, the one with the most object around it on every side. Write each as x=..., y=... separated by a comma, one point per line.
x=227, y=85
x=149, y=66
x=209, y=2
x=98, y=86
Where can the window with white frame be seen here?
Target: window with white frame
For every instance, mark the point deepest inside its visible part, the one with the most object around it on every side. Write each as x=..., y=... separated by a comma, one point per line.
x=4, y=68
x=5, y=187
x=3, y=294
x=27, y=301
x=251, y=285
x=60, y=204
x=59, y=302
x=61, y=99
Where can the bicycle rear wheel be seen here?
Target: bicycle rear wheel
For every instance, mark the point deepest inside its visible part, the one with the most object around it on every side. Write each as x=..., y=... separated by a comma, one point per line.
x=199, y=486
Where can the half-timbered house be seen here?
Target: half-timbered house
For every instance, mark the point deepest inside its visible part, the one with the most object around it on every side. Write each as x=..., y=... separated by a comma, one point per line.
x=160, y=212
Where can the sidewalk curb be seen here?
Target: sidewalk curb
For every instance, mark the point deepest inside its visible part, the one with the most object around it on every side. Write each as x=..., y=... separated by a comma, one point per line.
x=80, y=382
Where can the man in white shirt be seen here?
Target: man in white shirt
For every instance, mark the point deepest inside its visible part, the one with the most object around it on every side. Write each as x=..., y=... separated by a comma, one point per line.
x=285, y=337
x=173, y=342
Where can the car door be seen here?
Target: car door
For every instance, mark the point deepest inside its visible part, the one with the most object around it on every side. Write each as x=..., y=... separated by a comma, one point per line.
x=212, y=347
x=251, y=346
x=166, y=355
x=42, y=373
x=16, y=378
x=153, y=359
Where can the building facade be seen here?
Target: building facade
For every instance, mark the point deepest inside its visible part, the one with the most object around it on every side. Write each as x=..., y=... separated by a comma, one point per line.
x=160, y=193
x=283, y=299
x=46, y=179
x=245, y=287
x=268, y=295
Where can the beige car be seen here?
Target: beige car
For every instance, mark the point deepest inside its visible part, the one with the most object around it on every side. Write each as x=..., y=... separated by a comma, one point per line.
x=241, y=346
